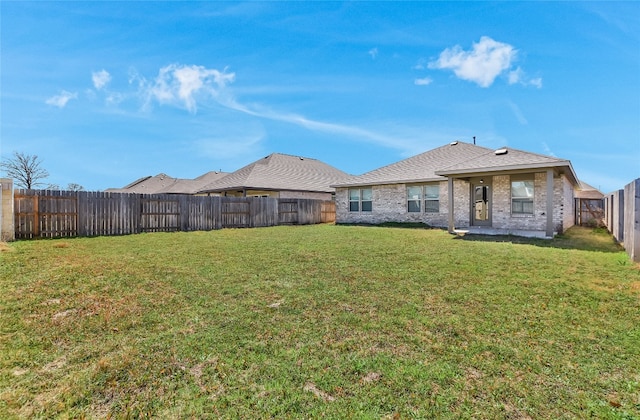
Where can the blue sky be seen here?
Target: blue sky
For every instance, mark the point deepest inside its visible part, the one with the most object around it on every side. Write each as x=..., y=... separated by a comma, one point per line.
x=107, y=92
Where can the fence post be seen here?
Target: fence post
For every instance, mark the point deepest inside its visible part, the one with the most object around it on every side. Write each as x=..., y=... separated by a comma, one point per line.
x=632, y=220
x=7, y=220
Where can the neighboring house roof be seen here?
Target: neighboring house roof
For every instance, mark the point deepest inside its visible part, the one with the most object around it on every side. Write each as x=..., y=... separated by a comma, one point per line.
x=164, y=184
x=192, y=186
x=147, y=185
x=588, y=192
x=459, y=159
x=281, y=172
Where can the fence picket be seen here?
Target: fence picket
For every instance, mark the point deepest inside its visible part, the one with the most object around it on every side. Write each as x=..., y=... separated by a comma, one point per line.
x=54, y=214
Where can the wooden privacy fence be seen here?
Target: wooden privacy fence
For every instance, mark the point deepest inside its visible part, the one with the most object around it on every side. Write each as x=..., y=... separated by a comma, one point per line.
x=589, y=211
x=622, y=217
x=54, y=214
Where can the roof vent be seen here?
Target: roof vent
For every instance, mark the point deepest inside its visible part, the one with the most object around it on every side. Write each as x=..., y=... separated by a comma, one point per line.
x=453, y=143
x=502, y=151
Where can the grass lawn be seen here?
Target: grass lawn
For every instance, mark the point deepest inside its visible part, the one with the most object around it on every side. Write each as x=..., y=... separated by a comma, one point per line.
x=319, y=321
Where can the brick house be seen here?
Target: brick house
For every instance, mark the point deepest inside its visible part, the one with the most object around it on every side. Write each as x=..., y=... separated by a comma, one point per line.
x=164, y=184
x=464, y=187
x=280, y=176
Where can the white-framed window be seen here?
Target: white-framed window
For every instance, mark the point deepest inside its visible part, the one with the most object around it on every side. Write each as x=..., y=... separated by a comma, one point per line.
x=432, y=198
x=425, y=197
x=360, y=199
x=414, y=198
x=522, y=196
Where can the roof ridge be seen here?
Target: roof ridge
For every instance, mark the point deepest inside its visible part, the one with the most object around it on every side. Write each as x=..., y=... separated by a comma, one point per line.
x=534, y=153
x=444, y=146
x=508, y=148
x=290, y=155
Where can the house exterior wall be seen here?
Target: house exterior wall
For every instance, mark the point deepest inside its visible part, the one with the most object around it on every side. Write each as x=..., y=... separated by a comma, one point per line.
x=390, y=205
x=563, y=204
x=311, y=195
x=568, y=206
x=502, y=216
x=326, y=196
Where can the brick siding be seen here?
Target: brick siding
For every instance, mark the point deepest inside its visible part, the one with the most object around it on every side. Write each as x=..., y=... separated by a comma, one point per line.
x=390, y=205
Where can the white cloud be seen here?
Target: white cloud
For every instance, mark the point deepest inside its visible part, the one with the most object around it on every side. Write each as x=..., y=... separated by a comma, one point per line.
x=185, y=85
x=537, y=82
x=423, y=82
x=518, y=76
x=114, y=98
x=486, y=61
x=517, y=113
x=61, y=100
x=100, y=78
x=373, y=52
x=515, y=76
x=242, y=144
x=420, y=65
x=181, y=84
x=547, y=149
x=319, y=126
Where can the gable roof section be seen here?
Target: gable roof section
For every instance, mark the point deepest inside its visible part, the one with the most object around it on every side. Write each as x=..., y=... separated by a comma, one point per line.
x=418, y=168
x=588, y=192
x=164, y=184
x=508, y=159
x=459, y=159
x=147, y=185
x=192, y=186
x=280, y=172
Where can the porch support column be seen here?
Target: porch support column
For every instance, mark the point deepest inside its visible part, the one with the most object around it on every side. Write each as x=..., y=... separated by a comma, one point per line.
x=549, y=232
x=451, y=219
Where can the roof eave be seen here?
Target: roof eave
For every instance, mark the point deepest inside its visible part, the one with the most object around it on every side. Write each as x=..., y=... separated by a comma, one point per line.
x=508, y=168
x=388, y=182
x=218, y=190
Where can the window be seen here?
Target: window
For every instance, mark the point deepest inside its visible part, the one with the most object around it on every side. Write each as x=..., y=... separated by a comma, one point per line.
x=414, y=197
x=522, y=197
x=429, y=193
x=432, y=198
x=360, y=199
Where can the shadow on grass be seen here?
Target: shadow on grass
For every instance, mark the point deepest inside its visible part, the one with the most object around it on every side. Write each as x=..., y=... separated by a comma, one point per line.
x=576, y=237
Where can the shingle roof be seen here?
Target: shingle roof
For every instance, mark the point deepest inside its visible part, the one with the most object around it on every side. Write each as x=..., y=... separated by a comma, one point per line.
x=508, y=159
x=281, y=172
x=419, y=168
x=192, y=186
x=164, y=184
x=457, y=158
x=588, y=192
x=501, y=159
x=147, y=185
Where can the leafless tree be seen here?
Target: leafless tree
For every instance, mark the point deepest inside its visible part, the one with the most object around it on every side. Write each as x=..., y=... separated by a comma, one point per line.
x=24, y=169
x=74, y=187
